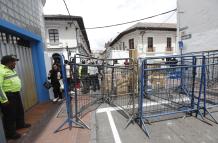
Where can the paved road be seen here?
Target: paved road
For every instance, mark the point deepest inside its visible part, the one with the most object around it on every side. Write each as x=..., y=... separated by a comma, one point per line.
x=110, y=129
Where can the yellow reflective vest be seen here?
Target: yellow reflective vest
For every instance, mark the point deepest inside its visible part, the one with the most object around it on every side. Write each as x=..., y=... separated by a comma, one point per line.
x=9, y=82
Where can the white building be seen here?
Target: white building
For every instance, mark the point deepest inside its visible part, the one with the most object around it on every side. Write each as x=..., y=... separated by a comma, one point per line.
x=97, y=54
x=148, y=39
x=198, y=25
x=66, y=35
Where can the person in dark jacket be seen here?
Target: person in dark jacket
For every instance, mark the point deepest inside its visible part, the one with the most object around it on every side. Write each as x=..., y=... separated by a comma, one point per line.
x=55, y=76
x=85, y=78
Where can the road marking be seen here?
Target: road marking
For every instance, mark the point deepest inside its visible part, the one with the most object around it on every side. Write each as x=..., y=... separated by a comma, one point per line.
x=113, y=127
x=101, y=110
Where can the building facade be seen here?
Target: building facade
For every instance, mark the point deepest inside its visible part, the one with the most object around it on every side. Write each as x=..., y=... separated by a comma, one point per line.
x=21, y=33
x=66, y=35
x=146, y=39
x=197, y=25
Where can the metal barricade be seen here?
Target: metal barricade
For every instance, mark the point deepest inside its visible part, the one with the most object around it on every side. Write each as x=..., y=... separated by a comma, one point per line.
x=168, y=87
x=211, y=65
x=86, y=83
x=209, y=79
x=119, y=84
x=98, y=81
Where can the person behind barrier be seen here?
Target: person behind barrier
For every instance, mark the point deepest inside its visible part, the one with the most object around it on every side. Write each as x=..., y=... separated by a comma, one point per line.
x=55, y=75
x=126, y=63
x=84, y=77
x=69, y=73
x=172, y=62
x=93, y=71
x=10, y=99
x=98, y=75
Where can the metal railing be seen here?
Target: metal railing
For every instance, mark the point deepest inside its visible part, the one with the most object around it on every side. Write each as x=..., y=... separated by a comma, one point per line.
x=178, y=84
x=167, y=86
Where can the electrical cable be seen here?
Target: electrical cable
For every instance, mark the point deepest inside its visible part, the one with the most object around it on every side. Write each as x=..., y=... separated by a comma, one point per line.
x=113, y=25
x=66, y=7
x=133, y=20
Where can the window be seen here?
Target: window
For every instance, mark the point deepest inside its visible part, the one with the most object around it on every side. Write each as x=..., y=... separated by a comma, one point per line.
x=53, y=36
x=120, y=46
x=11, y=39
x=169, y=44
x=150, y=44
x=131, y=43
x=123, y=45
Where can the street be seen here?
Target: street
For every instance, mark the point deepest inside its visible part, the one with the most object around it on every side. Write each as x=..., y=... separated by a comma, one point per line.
x=110, y=129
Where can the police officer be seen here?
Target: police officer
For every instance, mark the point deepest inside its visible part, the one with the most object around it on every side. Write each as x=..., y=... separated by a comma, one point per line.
x=10, y=100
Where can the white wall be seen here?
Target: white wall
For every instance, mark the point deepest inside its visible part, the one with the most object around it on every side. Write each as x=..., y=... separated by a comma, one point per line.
x=48, y=65
x=118, y=54
x=159, y=42
x=201, y=21
x=66, y=36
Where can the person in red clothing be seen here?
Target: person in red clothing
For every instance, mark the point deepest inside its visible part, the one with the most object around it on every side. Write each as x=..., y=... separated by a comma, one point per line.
x=126, y=63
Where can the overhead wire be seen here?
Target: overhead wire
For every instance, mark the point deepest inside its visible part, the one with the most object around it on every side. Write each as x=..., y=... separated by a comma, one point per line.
x=124, y=23
x=68, y=11
x=113, y=25
x=133, y=20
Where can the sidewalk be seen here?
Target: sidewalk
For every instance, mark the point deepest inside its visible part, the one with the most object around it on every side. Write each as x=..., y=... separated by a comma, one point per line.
x=44, y=120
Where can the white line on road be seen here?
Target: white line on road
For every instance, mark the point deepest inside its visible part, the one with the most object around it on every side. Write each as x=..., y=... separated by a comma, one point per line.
x=113, y=127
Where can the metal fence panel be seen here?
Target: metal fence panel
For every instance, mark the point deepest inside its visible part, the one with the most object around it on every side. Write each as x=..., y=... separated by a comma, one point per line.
x=96, y=81
x=211, y=79
x=168, y=89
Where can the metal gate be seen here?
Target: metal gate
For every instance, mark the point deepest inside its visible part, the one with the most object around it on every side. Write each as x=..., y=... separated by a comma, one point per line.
x=25, y=71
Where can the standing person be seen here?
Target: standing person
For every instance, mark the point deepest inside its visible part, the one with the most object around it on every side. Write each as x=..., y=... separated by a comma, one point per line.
x=84, y=77
x=98, y=74
x=126, y=63
x=10, y=99
x=55, y=75
x=93, y=72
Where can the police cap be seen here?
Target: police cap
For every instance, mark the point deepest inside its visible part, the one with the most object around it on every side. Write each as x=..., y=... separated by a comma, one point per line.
x=8, y=58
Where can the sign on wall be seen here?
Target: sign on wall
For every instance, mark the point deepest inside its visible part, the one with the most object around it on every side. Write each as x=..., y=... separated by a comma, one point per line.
x=181, y=45
x=185, y=37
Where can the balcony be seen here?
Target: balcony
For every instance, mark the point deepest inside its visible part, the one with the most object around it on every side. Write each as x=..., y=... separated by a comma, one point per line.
x=151, y=49
x=169, y=50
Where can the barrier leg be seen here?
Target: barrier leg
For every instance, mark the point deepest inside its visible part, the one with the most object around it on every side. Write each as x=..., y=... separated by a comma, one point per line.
x=144, y=128
x=215, y=121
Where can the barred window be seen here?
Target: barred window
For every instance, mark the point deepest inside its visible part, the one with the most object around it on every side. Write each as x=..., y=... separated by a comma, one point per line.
x=53, y=36
x=150, y=44
x=169, y=44
x=131, y=43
